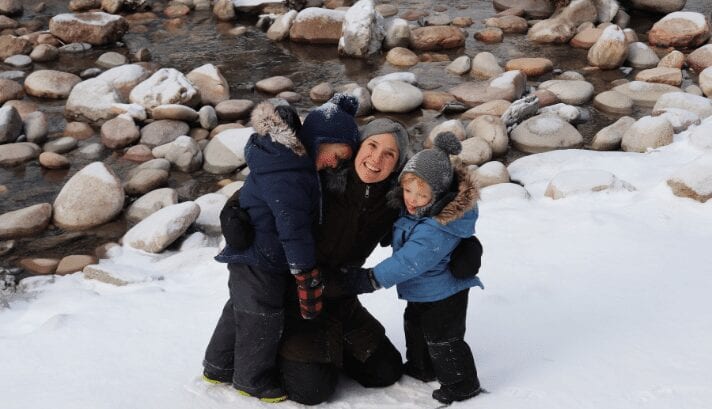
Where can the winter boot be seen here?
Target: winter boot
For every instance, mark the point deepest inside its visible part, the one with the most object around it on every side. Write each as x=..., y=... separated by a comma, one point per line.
x=455, y=369
x=455, y=393
x=214, y=379
x=271, y=395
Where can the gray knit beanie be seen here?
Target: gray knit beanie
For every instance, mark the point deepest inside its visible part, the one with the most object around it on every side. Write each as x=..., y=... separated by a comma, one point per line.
x=385, y=125
x=433, y=165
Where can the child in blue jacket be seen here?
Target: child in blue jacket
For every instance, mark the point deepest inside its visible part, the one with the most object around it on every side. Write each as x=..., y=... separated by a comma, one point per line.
x=439, y=209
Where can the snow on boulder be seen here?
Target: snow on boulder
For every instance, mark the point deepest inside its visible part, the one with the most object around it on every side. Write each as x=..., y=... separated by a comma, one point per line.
x=503, y=191
x=408, y=77
x=610, y=50
x=317, y=26
x=680, y=119
x=362, y=30
x=124, y=78
x=491, y=173
x=397, y=33
x=680, y=29
x=210, y=83
x=645, y=94
x=701, y=136
x=562, y=26
x=226, y=151
x=279, y=30
x=159, y=230
x=210, y=206
x=694, y=180
x=649, y=132
x=682, y=100
x=165, y=86
x=91, y=101
x=150, y=203
x=96, y=28
x=254, y=5
x=93, y=196
x=573, y=182
x=25, y=222
x=396, y=96
x=184, y=153
x=545, y=133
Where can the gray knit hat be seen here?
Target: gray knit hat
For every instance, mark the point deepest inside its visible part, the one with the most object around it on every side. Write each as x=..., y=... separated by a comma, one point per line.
x=433, y=165
x=385, y=125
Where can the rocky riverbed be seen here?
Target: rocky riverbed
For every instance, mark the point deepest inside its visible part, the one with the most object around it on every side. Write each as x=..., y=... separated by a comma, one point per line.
x=126, y=119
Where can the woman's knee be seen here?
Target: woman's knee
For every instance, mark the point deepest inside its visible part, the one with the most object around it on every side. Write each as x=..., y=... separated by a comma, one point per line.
x=309, y=383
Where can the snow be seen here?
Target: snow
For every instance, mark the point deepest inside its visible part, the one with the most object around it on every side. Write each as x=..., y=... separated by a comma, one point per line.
x=701, y=136
x=697, y=175
x=545, y=124
x=408, y=77
x=697, y=19
x=96, y=18
x=99, y=171
x=318, y=12
x=612, y=33
x=505, y=80
x=592, y=301
x=235, y=140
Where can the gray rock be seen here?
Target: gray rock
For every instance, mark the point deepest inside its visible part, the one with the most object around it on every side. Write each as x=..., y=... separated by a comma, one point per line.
x=12, y=75
x=184, y=153
x=13, y=154
x=160, y=164
x=640, y=55
x=610, y=137
x=647, y=133
x=10, y=124
x=18, y=61
x=162, y=132
x=396, y=96
x=699, y=105
x=74, y=48
x=62, y=144
x=36, y=127
x=145, y=181
x=545, y=133
x=92, y=151
x=91, y=101
x=659, y=6
x=210, y=206
x=207, y=117
x=150, y=203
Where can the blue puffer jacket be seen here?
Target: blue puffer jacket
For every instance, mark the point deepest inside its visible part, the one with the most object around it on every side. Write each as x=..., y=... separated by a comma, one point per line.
x=281, y=195
x=422, y=247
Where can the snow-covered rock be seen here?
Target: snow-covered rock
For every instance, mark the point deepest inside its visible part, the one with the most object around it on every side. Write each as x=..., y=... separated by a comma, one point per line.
x=645, y=94
x=165, y=86
x=649, y=132
x=694, y=180
x=150, y=203
x=544, y=133
x=124, y=78
x=574, y=182
x=640, y=55
x=492, y=130
x=226, y=151
x=96, y=28
x=680, y=29
x=210, y=206
x=157, y=231
x=562, y=26
x=570, y=92
x=503, y=191
x=699, y=105
x=210, y=83
x=680, y=119
x=701, y=136
x=363, y=30
x=279, y=30
x=91, y=101
x=610, y=50
x=491, y=173
x=184, y=153
x=396, y=96
x=317, y=26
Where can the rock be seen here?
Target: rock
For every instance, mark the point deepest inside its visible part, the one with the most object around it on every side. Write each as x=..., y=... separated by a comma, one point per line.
x=400, y=56
x=490, y=35
x=145, y=181
x=630, y=36
x=492, y=130
x=40, y=266
x=701, y=137
x=225, y=152
x=610, y=137
x=693, y=180
x=96, y=28
x=36, y=127
x=437, y=100
x=659, y=6
x=10, y=7
x=18, y=61
x=175, y=112
x=10, y=90
x=568, y=113
x=545, y=133
x=485, y=66
x=25, y=222
x=7, y=22
x=93, y=196
x=475, y=151
x=452, y=125
x=436, y=38
x=661, y=75
x=274, y=85
x=508, y=86
x=532, y=8
x=11, y=45
x=63, y=144
x=74, y=263
x=387, y=10
x=78, y=130
x=317, y=26
x=50, y=84
x=165, y=86
x=496, y=107
x=437, y=19
x=570, y=92
x=162, y=132
x=184, y=153
x=10, y=124
x=645, y=94
x=279, y=30
x=531, y=67
x=610, y=50
x=680, y=29
x=224, y=10
x=210, y=206
x=705, y=79
x=111, y=59
x=138, y=153
x=680, y=119
x=125, y=78
x=414, y=15
x=407, y=77
x=586, y=38
x=503, y=191
x=396, y=96
x=546, y=97
x=460, y=65
x=208, y=117
x=119, y=132
x=642, y=56
x=613, y=102
x=462, y=22
x=160, y=229
x=491, y=173
x=562, y=26
x=321, y=92
x=647, y=133
x=155, y=164
x=699, y=105
x=572, y=182
x=508, y=24
x=91, y=101
x=397, y=34
x=52, y=160
x=363, y=30
x=150, y=203
x=210, y=83
x=44, y=53
x=675, y=59
x=701, y=58
x=234, y=109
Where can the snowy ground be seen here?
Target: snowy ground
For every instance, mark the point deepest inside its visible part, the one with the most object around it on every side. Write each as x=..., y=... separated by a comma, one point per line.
x=595, y=301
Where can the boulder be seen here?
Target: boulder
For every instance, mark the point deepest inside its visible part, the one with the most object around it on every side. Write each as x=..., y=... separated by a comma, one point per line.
x=640, y=55
x=532, y=8
x=436, y=38
x=491, y=173
x=124, y=78
x=613, y=102
x=162, y=132
x=485, y=66
x=645, y=94
x=661, y=75
x=274, y=85
x=475, y=151
x=11, y=45
x=693, y=180
x=91, y=101
x=91, y=197
x=573, y=182
x=699, y=105
x=495, y=107
x=74, y=263
x=701, y=58
x=44, y=53
x=159, y=230
x=62, y=144
x=150, y=203
x=491, y=129
x=363, y=30
x=437, y=100
x=452, y=125
x=183, y=153
x=705, y=79
x=165, y=86
x=10, y=124
x=397, y=34
x=680, y=119
x=562, y=26
x=503, y=191
x=586, y=38
x=490, y=35
x=701, y=137
x=680, y=29
x=25, y=222
x=648, y=132
x=317, y=26
x=50, y=84
x=210, y=84
x=145, y=180
x=210, y=206
x=234, y=109
x=531, y=67
x=659, y=6
x=674, y=59
x=570, y=92
x=51, y=160
x=610, y=137
x=279, y=30
x=111, y=59
x=36, y=127
x=9, y=90
x=175, y=112
x=508, y=24
x=610, y=50
x=10, y=7
x=119, y=132
x=544, y=133
x=396, y=96
x=226, y=151
x=400, y=56
x=321, y=92
x=96, y=28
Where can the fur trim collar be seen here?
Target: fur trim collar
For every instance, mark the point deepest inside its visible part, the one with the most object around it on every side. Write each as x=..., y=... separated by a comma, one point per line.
x=267, y=122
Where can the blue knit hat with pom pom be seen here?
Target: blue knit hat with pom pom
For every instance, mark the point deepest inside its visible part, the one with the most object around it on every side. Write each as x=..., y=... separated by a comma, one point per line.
x=333, y=122
x=433, y=165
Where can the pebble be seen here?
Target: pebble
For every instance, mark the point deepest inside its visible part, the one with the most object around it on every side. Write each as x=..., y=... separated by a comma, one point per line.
x=111, y=59
x=51, y=160
x=62, y=144
x=18, y=61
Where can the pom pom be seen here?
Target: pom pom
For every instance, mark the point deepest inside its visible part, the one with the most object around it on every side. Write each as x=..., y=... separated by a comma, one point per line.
x=347, y=103
x=448, y=142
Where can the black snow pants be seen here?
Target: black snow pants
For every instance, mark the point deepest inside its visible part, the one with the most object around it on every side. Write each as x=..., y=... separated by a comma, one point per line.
x=244, y=346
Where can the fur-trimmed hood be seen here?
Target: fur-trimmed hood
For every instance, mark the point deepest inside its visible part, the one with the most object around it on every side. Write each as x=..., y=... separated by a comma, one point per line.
x=267, y=122
x=462, y=196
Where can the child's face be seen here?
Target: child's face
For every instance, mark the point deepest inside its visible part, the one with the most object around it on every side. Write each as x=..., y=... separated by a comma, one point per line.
x=416, y=193
x=330, y=154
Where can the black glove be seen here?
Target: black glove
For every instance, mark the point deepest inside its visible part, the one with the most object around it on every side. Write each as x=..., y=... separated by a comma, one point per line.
x=236, y=224
x=466, y=259
x=357, y=280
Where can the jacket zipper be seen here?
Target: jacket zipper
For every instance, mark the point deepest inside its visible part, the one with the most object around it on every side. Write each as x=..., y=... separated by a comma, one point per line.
x=368, y=188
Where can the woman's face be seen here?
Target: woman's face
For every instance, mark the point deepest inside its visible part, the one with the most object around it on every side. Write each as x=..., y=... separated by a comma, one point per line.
x=377, y=158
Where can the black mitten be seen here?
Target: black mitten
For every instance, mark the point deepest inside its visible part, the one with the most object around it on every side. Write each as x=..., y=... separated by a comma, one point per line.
x=236, y=224
x=357, y=280
x=466, y=259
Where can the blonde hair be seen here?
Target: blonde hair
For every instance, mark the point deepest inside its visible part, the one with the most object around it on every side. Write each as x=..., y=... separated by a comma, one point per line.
x=409, y=177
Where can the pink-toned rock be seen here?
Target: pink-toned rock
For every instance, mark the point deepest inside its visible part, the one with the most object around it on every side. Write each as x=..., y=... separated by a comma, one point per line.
x=11, y=45
x=586, y=38
x=701, y=58
x=176, y=10
x=50, y=84
x=96, y=28
x=317, y=26
x=436, y=100
x=436, y=38
x=680, y=29
x=661, y=75
x=138, y=153
x=546, y=97
x=78, y=130
x=508, y=24
x=414, y=15
x=496, y=108
x=532, y=67
x=10, y=90
x=401, y=56
x=490, y=35
x=462, y=22
x=51, y=160
x=74, y=263
x=40, y=266
x=674, y=59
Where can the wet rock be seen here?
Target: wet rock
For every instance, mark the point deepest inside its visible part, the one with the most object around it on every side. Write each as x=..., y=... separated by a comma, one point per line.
x=25, y=222
x=175, y=112
x=78, y=130
x=397, y=34
x=93, y=196
x=586, y=38
x=562, y=27
x=572, y=182
x=317, y=26
x=640, y=55
x=321, y=92
x=396, y=96
x=675, y=59
x=111, y=59
x=274, y=85
x=183, y=153
x=699, y=105
x=63, y=144
x=36, y=127
x=610, y=137
x=610, y=50
x=490, y=35
x=162, y=132
x=570, y=92
x=436, y=100
x=150, y=203
x=234, y=109
x=659, y=6
x=12, y=75
x=452, y=125
x=18, y=61
x=485, y=66
x=11, y=45
x=496, y=107
x=508, y=24
x=545, y=133
x=96, y=28
x=207, y=117
x=44, y=53
x=160, y=229
x=401, y=56
x=680, y=29
x=91, y=101
x=460, y=65
x=701, y=58
x=491, y=173
x=661, y=75
x=119, y=132
x=52, y=160
x=436, y=38
x=74, y=263
x=363, y=30
x=475, y=151
x=613, y=102
x=145, y=181
x=224, y=10
x=165, y=86
x=10, y=124
x=50, y=84
x=210, y=83
x=210, y=206
x=531, y=67
x=647, y=133
x=138, y=153
x=645, y=94
x=10, y=90
x=75, y=48
x=680, y=119
x=692, y=180
x=279, y=30
x=492, y=130
x=39, y=266
x=225, y=152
